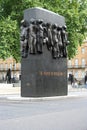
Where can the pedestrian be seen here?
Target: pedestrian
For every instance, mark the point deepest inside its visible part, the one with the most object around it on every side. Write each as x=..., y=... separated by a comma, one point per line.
x=8, y=76
x=86, y=79
x=71, y=78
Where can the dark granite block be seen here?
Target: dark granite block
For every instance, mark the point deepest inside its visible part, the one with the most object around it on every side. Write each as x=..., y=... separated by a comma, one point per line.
x=46, y=15
x=43, y=76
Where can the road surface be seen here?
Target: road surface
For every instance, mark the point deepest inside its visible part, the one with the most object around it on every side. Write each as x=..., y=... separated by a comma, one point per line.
x=60, y=114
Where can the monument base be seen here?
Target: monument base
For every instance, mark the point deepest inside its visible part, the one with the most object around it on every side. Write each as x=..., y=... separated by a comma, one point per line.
x=43, y=76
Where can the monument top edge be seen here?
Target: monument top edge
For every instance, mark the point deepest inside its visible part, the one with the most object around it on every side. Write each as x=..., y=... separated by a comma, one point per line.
x=42, y=9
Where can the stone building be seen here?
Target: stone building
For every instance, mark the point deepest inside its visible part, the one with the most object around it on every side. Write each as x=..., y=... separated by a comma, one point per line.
x=78, y=65
x=9, y=63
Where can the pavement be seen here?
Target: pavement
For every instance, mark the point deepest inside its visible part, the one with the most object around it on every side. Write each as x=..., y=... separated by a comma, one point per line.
x=13, y=92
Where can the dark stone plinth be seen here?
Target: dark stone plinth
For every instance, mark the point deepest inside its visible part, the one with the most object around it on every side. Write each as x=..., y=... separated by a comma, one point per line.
x=43, y=76
x=45, y=15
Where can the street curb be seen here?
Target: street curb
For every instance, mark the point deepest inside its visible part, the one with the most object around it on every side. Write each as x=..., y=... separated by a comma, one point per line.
x=36, y=99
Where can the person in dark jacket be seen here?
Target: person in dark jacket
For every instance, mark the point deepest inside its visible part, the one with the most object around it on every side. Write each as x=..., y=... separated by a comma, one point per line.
x=8, y=76
x=71, y=78
x=86, y=78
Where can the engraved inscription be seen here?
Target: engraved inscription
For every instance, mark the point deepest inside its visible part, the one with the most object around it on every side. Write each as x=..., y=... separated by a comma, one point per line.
x=46, y=73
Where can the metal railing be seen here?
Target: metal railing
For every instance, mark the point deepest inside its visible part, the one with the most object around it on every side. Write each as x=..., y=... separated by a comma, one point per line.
x=77, y=66
x=4, y=70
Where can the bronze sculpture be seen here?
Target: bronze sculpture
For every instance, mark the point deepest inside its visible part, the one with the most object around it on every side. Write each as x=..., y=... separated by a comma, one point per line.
x=37, y=33
x=24, y=38
x=60, y=44
x=49, y=36
x=55, y=47
x=64, y=40
x=32, y=37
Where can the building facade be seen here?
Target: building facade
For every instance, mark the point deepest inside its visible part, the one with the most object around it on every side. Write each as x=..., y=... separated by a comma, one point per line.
x=78, y=65
x=9, y=63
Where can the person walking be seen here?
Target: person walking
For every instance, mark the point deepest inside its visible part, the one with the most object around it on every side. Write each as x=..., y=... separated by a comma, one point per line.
x=71, y=78
x=86, y=79
x=8, y=76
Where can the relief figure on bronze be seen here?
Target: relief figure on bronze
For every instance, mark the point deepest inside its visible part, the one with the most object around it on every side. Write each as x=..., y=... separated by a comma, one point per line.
x=37, y=33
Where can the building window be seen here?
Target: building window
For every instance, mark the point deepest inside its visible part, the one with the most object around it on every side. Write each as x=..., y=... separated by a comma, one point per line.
x=83, y=62
x=6, y=66
x=69, y=63
x=76, y=75
x=76, y=62
x=15, y=66
x=19, y=65
x=83, y=50
x=11, y=66
x=83, y=74
x=1, y=66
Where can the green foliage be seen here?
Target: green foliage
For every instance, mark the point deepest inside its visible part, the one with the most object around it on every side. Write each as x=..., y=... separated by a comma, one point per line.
x=11, y=13
x=75, y=13
x=9, y=35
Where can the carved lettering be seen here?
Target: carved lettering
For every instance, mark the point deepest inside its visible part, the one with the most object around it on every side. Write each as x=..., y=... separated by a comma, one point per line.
x=46, y=73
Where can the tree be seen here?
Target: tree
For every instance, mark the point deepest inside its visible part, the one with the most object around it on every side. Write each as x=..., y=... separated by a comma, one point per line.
x=75, y=15
x=9, y=35
x=12, y=11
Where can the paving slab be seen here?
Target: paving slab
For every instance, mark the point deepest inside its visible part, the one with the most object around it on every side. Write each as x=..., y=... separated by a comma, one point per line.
x=9, y=92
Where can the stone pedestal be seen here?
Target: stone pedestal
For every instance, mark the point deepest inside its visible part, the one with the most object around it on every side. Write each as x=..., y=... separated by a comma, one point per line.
x=46, y=15
x=43, y=76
